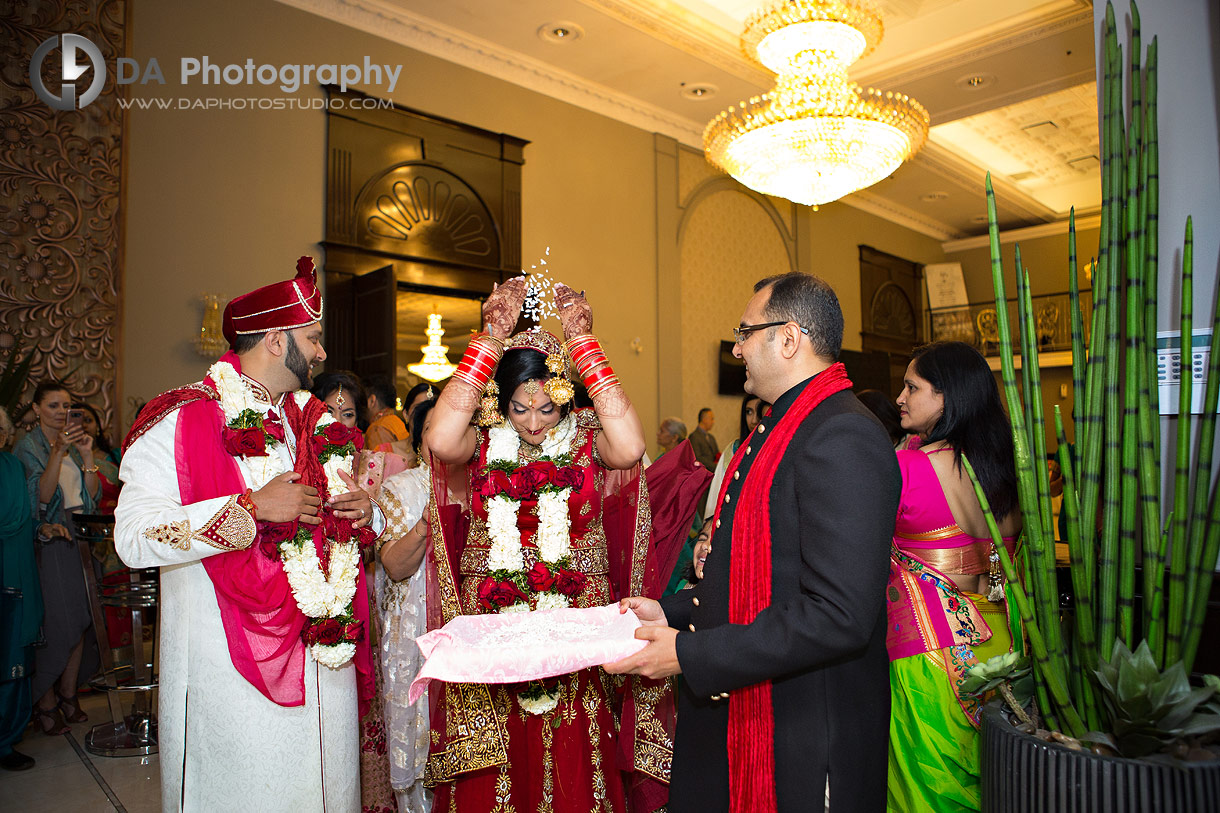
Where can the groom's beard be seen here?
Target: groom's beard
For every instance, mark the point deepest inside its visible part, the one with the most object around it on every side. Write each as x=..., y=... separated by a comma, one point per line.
x=296, y=364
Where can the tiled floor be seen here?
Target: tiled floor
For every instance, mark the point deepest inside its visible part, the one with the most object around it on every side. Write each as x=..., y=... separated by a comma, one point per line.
x=68, y=779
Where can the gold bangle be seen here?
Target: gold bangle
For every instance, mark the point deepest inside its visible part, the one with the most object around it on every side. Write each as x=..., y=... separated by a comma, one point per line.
x=90, y=469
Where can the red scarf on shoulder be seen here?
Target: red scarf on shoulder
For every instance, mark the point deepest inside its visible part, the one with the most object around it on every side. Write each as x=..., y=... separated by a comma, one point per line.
x=751, y=716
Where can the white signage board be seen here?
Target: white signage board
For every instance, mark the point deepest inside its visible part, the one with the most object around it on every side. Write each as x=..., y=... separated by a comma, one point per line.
x=946, y=285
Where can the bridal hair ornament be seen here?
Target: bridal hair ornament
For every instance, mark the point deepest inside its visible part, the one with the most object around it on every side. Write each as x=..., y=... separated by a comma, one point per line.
x=339, y=400
x=559, y=386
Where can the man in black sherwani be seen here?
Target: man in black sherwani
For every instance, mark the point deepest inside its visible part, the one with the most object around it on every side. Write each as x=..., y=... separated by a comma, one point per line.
x=785, y=678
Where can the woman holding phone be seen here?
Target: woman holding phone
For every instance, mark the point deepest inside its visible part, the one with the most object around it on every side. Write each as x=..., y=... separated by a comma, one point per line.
x=62, y=477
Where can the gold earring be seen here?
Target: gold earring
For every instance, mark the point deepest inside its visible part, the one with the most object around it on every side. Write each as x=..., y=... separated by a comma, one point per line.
x=560, y=390
x=489, y=405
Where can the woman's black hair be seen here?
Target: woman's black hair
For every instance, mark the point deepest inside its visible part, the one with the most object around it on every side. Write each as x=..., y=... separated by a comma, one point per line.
x=326, y=383
x=973, y=422
x=745, y=430
x=518, y=366
x=886, y=411
x=101, y=441
x=413, y=393
x=418, y=418
x=48, y=386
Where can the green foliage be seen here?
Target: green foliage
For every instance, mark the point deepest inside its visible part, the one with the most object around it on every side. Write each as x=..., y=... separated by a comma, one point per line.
x=1150, y=709
x=1086, y=675
x=1009, y=668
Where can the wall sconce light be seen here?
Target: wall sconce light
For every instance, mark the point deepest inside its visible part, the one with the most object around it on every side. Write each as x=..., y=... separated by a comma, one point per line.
x=211, y=341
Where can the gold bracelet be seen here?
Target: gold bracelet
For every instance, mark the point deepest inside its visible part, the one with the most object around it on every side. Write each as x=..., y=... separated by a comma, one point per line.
x=90, y=469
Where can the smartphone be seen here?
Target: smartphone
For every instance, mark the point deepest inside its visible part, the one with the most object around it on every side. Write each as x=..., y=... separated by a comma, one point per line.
x=75, y=417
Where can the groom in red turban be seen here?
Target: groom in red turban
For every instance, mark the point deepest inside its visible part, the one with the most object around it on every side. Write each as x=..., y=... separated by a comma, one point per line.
x=239, y=487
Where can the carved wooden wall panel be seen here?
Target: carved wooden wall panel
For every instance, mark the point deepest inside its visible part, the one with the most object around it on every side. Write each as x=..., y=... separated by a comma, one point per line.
x=60, y=226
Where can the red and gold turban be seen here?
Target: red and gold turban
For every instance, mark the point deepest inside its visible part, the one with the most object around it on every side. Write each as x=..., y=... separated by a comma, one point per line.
x=280, y=306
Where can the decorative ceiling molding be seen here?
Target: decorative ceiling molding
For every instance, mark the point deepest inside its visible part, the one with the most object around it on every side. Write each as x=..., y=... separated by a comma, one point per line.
x=980, y=44
x=886, y=209
x=1029, y=233
x=955, y=169
x=676, y=26
x=430, y=37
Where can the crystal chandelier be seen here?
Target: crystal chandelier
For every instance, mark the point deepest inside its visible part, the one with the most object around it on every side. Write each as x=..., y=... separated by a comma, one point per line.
x=816, y=136
x=435, y=364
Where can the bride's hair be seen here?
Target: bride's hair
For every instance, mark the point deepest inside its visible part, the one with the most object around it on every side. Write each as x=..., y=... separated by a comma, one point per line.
x=518, y=366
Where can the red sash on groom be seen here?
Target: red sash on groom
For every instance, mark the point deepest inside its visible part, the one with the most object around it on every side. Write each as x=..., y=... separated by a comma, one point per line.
x=751, y=716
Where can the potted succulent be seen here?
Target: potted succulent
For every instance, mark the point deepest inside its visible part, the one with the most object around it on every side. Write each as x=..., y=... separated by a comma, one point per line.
x=1107, y=716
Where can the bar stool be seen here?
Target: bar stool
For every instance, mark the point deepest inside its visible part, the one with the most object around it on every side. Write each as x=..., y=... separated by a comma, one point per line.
x=133, y=734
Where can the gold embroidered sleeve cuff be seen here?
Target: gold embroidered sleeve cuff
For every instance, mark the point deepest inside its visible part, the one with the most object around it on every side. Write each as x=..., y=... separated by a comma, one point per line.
x=231, y=528
x=396, y=524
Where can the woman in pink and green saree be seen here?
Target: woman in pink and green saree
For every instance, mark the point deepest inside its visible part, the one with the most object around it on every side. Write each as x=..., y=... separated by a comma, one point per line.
x=946, y=609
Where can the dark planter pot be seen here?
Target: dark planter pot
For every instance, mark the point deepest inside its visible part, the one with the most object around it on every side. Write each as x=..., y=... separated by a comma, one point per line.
x=1021, y=773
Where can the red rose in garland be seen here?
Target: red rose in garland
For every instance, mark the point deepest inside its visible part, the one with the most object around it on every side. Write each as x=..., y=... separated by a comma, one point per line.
x=570, y=582
x=571, y=477
x=546, y=468
x=354, y=632
x=338, y=434
x=326, y=631
x=245, y=442
x=494, y=594
x=273, y=427
x=271, y=534
x=336, y=528
x=493, y=483
x=540, y=578
x=524, y=483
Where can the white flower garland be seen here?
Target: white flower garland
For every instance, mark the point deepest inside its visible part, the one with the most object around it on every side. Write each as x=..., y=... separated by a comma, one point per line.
x=554, y=526
x=554, y=541
x=541, y=705
x=316, y=594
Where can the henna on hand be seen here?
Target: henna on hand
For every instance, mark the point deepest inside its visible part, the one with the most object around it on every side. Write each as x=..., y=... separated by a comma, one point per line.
x=611, y=403
x=461, y=397
x=503, y=308
x=575, y=314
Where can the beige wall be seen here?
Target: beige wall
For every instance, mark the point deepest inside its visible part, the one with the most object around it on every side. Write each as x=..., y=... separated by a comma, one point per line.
x=223, y=201
x=728, y=242
x=836, y=233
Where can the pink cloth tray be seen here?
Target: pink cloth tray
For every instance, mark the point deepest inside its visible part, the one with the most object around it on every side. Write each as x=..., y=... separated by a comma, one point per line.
x=517, y=647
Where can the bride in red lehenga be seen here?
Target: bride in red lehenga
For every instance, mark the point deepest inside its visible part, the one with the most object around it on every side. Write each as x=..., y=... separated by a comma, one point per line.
x=544, y=506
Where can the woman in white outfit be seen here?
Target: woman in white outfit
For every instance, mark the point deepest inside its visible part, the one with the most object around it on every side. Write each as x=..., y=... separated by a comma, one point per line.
x=401, y=591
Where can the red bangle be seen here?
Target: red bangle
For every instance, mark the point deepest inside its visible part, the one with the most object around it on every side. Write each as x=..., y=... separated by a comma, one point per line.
x=605, y=384
x=246, y=501
x=591, y=381
x=591, y=364
x=479, y=362
x=581, y=346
